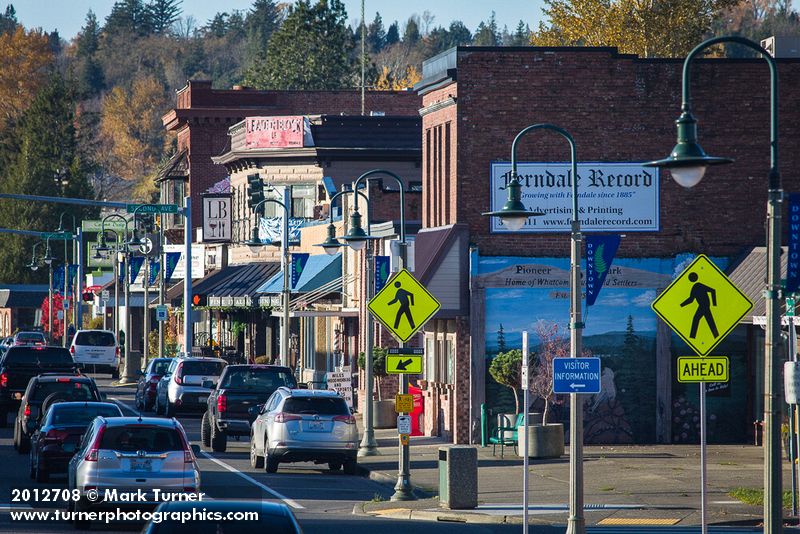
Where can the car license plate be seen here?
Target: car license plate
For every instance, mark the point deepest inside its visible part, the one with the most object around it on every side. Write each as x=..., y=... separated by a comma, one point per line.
x=316, y=426
x=202, y=399
x=142, y=465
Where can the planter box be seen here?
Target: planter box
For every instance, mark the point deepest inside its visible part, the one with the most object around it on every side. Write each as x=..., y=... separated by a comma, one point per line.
x=383, y=414
x=542, y=441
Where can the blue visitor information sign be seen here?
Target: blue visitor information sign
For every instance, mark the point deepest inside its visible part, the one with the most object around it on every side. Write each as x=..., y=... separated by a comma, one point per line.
x=576, y=375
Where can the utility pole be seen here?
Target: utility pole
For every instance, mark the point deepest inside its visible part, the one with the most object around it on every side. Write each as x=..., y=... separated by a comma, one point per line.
x=363, y=61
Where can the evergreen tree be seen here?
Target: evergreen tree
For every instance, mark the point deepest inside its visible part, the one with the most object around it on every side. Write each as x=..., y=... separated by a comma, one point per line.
x=8, y=20
x=522, y=35
x=54, y=40
x=91, y=78
x=486, y=34
x=261, y=23
x=376, y=35
x=310, y=51
x=45, y=161
x=411, y=33
x=392, y=35
x=88, y=39
x=501, y=339
x=128, y=17
x=163, y=14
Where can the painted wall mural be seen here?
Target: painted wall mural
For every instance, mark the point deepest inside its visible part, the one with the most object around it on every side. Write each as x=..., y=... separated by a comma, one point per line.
x=620, y=329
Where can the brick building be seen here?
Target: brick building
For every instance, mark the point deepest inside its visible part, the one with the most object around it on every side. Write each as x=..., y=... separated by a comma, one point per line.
x=620, y=109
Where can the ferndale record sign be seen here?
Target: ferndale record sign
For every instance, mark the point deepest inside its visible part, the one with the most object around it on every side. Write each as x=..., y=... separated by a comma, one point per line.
x=612, y=197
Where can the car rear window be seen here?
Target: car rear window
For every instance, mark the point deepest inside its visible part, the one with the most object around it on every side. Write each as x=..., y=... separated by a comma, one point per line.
x=33, y=354
x=81, y=415
x=73, y=391
x=193, y=368
x=316, y=405
x=141, y=438
x=257, y=379
x=160, y=367
x=30, y=336
x=95, y=339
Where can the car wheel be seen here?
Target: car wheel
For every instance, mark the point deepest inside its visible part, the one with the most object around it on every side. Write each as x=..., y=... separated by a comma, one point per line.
x=3, y=418
x=169, y=409
x=219, y=439
x=351, y=467
x=159, y=410
x=256, y=460
x=24, y=446
x=115, y=373
x=334, y=466
x=270, y=463
x=81, y=524
x=15, y=440
x=205, y=431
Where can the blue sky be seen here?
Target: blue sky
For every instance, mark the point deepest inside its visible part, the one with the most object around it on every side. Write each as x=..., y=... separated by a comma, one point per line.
x=68, y=15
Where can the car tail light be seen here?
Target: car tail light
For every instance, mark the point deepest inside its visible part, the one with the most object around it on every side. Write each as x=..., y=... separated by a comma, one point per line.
x=222, y=403
x=348, y=419
x=62, y=380
x=27, y=412
x=178, y=376
x=91, y=456
x=117, y=351
x=3, y=380
x=56, y=435
x=284, y=417
x=72, y=350
x=188, y=455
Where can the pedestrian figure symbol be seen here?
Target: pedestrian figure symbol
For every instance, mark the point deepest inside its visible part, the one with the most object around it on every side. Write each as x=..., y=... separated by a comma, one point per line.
x=705, y=297
x=406, y=300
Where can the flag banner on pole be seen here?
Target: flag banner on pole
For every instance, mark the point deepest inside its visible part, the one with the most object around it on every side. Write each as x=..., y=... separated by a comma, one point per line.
x=58, y=279
x=172, y=262
x=154, y=267
x=299, y=261
x=600, y=251
x=73, y=275
x=382, y=270
x=122, y=271
x=136, y=266
x=793, y=260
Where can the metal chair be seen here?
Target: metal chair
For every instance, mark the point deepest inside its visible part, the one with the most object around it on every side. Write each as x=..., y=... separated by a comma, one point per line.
x=506, y=435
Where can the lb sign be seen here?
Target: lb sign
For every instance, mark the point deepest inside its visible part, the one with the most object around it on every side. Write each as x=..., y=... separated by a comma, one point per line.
x=703, y=369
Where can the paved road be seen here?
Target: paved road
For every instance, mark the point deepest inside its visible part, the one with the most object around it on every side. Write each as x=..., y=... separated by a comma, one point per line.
x=322, y=501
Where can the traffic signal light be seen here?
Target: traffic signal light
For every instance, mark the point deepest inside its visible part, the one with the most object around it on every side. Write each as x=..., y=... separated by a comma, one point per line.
x=255, y=191
x=199, y=300
x=87, y=296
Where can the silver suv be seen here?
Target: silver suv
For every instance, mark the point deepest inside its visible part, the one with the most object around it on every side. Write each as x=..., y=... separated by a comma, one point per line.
x=300, y=425
x=129, y=454
x=185, y=384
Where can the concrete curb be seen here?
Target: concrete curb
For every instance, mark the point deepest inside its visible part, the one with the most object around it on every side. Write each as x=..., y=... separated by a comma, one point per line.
x=122, y=385
x=385, y=478
x=443, y=516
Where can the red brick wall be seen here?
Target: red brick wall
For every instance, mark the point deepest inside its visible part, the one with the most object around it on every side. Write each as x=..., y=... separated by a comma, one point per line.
x=620, y=108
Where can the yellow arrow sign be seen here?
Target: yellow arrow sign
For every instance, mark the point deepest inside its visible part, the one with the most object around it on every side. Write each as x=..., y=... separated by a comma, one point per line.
x=702, y=305
x=703, y=369
x=404, y=305
x=403, y=364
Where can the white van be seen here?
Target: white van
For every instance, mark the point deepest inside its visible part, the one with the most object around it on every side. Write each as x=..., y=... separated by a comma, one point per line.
x=96, y=350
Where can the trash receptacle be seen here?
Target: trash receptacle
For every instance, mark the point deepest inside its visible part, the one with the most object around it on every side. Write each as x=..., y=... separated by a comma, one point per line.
x=458, y=477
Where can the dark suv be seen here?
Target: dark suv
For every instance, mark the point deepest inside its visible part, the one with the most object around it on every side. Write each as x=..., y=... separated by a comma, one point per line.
x=240, y=388
x=147, y=385
x=43, y=391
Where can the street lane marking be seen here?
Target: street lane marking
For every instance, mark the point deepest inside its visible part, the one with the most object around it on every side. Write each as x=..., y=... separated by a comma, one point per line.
x=636, y=521
x=124, y=405
x=287, y=500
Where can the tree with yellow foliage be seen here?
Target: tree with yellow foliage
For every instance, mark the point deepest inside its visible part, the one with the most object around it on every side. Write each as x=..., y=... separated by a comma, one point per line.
x=649, y=28
x=389, y=82
x=132, y=133
x=25, y=57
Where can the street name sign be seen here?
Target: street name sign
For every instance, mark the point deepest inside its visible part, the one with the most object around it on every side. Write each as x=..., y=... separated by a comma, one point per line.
x=152, y=208
x=403, y=403
x=703, y=369
x=96, y=225
x=56, y=235
x=576, y=375
x=702, y=305
x=404, y=305
x=404, y=364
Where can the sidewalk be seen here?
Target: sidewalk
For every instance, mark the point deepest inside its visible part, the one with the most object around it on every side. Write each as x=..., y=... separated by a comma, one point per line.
x=623, y=485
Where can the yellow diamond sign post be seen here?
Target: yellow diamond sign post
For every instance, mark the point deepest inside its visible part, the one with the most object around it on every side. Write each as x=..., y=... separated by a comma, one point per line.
x=702, y=305
x=404, y=305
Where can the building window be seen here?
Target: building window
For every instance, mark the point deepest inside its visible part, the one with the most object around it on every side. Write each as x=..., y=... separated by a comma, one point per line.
x=446, y=162
x=303, y=201
x=178, y=188
x=430, y=367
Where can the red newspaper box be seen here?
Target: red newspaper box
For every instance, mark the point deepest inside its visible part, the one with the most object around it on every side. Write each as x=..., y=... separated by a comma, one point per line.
x=418, y=412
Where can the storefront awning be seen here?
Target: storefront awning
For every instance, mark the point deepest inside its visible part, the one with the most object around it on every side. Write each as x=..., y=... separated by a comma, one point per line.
x=232, y=286
x=749, y=273
x=321, y=270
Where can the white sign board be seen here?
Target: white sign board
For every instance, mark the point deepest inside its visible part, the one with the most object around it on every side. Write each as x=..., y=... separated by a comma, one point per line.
x=216, y=218
x=341, y=381
x=523, y=377
x=612, y=197
x=198, y=261
x=105, y=294
x=404, y=424
x=791, y=381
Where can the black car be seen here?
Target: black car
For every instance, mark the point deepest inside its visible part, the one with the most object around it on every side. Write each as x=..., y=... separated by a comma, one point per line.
x=55, y=441
x=42, y=391
x=271, y=517
x=148, y=383
x=240, y=388
x=19, y=364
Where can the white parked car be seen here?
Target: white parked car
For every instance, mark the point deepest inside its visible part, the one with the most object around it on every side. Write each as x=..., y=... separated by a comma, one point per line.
x=96, y=350
x=185, y=386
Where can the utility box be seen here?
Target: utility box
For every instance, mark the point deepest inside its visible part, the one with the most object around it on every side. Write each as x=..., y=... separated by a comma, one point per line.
x=458, y=477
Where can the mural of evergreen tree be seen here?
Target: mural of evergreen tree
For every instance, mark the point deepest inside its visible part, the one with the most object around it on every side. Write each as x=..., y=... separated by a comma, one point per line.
x=501, y=339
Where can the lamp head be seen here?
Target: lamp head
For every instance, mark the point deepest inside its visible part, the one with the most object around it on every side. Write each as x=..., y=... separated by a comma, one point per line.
x=34, y=266
x=688, y=161
x=135, y=242
x=48, y=257
x=255, y=243
x=513, y=214
x=331, y=245
x=356, y=237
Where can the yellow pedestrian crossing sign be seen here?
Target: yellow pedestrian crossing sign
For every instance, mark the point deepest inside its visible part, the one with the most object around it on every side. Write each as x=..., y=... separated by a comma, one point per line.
x=404, y=305
x=702, y=305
